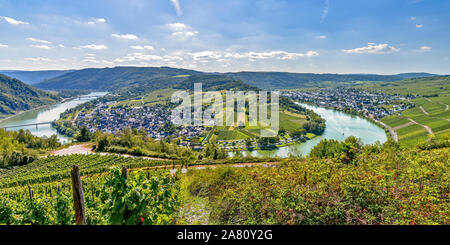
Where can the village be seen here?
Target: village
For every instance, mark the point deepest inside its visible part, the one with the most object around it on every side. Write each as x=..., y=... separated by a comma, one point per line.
x=354, y=101
x=155, y=120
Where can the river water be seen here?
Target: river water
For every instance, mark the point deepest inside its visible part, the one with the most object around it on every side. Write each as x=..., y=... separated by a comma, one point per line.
x=46, y=114
x=339, y=126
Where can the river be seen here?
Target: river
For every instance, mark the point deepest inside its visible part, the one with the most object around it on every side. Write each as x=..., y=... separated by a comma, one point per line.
x=339, y=126
x=47, y=114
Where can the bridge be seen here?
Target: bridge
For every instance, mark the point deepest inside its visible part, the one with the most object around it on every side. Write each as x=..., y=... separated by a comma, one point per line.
x=87, y=97
x=27, y=125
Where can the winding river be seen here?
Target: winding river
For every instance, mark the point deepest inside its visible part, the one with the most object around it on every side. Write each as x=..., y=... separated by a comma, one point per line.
x=339, y=126
x=46, y=114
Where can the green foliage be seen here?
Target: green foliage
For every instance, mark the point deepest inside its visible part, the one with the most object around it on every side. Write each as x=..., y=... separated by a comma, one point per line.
x=138, y=200
x=109, y=79
x=385, y=186
x=84, y=136
x=149, y=198
x=344, y=151
x=213, y=151
x=21, y=147
x=137, y=143
x=17, y=96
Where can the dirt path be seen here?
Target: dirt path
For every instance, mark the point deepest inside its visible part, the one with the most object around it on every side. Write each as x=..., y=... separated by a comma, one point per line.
x=73, y=149
x=424, y=126
x=87, y=149
x=446, y=106
x=403, y=126
x=202, y=167
x=423, y=110
x=389, y=128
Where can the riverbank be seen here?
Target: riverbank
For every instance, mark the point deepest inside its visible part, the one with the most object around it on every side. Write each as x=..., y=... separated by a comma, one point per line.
x=37, y=108
x=31, y=110
x=44, y=113
x=390, y=132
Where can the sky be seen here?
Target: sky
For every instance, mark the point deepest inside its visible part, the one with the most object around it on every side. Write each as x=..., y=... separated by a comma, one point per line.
x=314, y=36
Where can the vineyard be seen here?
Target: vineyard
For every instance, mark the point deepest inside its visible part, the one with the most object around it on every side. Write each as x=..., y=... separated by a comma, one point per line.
x=148, y=198
x=56, y=168
x=341, y=183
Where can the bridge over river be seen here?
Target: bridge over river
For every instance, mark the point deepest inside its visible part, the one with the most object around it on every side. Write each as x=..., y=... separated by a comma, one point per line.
x=27, y=125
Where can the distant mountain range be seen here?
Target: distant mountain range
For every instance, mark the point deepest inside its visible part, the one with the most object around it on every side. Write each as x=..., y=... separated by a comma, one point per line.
x=17, y=96
x=109, y=79
x=286, y=80
x=33, y=77
x=135, y=79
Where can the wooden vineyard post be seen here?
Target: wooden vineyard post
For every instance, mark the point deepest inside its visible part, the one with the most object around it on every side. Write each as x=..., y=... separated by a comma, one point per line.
x=125, y=172
x=30, y=194
x=78, y=198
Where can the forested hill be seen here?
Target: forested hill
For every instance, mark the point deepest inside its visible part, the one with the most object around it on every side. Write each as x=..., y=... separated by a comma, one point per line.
x=33, y=77
x=136, y=79
x=416, y=75
x=214, y=83
x=286, y=80
x=109, y=79
x=17, y=96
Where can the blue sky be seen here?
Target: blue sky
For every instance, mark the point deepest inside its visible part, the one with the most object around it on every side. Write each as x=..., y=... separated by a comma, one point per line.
x=320, y=36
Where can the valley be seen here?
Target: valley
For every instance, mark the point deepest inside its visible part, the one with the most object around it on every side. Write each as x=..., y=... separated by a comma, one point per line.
x=330, y=136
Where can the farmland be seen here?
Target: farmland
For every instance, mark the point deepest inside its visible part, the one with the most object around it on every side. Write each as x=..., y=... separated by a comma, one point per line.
x=431, y=115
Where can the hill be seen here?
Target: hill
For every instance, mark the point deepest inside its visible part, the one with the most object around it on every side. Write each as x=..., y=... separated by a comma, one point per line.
x=214, y=83
x=17, y=96
x=286, y=80
x=109, y=79
x=153, y=78
x=416, y=75
x=33, y=77
x=430, y=118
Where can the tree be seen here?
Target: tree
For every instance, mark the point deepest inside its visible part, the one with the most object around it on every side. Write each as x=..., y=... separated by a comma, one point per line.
x=84, y=135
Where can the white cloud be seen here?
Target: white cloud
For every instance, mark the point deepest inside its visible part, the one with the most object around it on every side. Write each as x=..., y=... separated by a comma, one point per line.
x=38, y=40
x=412, y=18
x=125, y=36
x=176, y=5
x=419, y=26
x=61, y=46
x=96, y=21
x=40, y=46
x=425, y=48
x=139, y=57
x=177, y=26
x=181, y=30
x=37, y=59
x=372, y=48
x=206, y=56
x=147, y=47
x=322, y=37
x=93, y=47
x=184, y=34
x=325, y=11
x=13, y=21
x=3, y=46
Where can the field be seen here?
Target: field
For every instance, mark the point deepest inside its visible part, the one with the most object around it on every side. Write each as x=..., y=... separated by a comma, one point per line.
x=431, y=115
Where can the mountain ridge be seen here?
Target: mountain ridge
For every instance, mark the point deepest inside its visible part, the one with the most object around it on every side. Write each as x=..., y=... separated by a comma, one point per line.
x=17, y=96
x=117, y=78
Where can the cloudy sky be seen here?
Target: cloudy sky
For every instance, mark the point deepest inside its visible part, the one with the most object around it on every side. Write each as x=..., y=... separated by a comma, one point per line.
x=321, y=36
